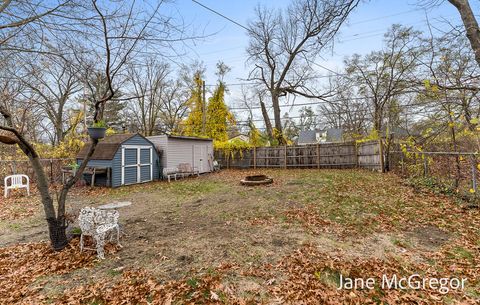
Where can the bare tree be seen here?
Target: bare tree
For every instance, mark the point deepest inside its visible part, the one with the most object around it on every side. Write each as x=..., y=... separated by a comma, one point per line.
x=283, y=46
x=384, y=75
x=346, y=110
x=110, y=40
x=160, y=102
x=55, y=82
x=471, y=25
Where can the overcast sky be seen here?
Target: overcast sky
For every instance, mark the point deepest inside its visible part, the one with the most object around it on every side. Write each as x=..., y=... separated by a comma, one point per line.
x=361, y=34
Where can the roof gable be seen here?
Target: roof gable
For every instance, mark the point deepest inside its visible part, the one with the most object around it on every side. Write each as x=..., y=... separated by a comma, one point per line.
x=107, y=147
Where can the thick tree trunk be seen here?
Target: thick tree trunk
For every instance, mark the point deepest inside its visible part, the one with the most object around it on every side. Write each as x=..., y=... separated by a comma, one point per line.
x=455, y=149
x=471, y=25
x=377, y=122
x=56, y=223
x=59, y=133
x=276, y=112
x=278, y=119
x=266, y=118
x=57, y=232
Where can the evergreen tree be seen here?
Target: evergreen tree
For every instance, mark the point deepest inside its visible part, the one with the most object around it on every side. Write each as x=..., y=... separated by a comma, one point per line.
x=193, y=125
x=218, y=116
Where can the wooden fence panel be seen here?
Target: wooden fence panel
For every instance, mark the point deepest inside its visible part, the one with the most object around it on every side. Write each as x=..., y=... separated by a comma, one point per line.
x=369, y=155
x=323, y=155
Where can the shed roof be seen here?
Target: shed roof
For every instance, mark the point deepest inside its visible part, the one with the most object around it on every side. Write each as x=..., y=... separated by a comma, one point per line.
x=182, y=137
x=189, y=138
x=107, y=147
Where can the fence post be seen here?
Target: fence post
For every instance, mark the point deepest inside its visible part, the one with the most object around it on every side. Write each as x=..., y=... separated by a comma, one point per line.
x=425, y=165
x=403, y=163
x=318, y=155
x=267, y=156
x=254, y=157
x=356, y=154
x=380, y=150
x=285, y=156
x=474, y=175
x=51, y=170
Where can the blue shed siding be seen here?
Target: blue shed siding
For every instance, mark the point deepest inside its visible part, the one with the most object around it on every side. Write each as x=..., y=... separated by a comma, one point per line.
x=131, y=158
x=145, y=172
x=131, y=177
x=144, y=156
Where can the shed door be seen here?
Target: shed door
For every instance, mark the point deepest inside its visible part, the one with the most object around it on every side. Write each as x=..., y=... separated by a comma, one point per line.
x=198, y=157
x=137, y=164
x=146, y=165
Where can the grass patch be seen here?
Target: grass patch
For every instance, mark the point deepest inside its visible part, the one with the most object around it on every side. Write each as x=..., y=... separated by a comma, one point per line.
x=461, y=253
x=195, y=187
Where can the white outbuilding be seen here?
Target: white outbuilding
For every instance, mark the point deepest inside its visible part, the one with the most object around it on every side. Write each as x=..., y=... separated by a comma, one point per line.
x=182, y=149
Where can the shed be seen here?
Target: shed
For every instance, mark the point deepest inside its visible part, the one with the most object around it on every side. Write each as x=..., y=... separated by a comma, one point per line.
x=181, y=149
x=124, y=158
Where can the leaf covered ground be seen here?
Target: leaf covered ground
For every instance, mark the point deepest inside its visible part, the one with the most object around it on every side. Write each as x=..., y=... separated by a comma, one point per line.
x=210, y=240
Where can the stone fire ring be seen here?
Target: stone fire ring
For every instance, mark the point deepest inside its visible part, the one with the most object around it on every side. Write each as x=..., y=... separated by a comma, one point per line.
x=256, y=180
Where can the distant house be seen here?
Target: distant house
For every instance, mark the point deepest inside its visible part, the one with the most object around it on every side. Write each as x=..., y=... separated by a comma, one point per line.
x=326, y=135
x=240, y=137
x=399, y=132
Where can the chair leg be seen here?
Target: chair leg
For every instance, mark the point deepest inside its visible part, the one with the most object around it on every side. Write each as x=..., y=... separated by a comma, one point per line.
x=28, y=190
x=100, y=244
x=5, y=192
x=81, y=243
x=118, y=235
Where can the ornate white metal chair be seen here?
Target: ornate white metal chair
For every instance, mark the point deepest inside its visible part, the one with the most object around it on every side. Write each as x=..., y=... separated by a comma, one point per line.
x=97, y=223
x=16, y=182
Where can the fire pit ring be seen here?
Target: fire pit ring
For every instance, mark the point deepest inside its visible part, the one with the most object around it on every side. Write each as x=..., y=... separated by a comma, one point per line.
x=256, y=180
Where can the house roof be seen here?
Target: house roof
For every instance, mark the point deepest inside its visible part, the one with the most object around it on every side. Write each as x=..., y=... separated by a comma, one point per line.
x=241, y=136
x=310, y=136
x=307, y=137
x=107, y=147
x=334, y=135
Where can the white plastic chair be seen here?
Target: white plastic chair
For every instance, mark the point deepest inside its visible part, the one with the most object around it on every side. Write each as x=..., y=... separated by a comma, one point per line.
x=16, y=182
x=97, y=223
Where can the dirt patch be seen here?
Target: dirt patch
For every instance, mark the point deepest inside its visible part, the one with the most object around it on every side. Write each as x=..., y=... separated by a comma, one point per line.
x=182, y=231
x=429, y=237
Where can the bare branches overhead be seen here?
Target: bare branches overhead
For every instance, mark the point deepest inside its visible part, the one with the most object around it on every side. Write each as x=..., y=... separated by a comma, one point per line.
x=283, y=45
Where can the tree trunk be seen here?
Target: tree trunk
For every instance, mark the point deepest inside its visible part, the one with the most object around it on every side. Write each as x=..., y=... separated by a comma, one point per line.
x=56, y=224
x=278, y=119
x=457, y=158
x=268, y=124
x=276, y=112
x=57, y=232
x=471, y=25
x=59, y=133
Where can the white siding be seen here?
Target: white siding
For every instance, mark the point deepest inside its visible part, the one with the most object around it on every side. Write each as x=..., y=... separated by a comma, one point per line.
x=161, y=143
x=176, y=151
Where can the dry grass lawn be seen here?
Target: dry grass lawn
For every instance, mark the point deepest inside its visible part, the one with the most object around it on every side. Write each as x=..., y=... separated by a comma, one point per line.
x=211, y=240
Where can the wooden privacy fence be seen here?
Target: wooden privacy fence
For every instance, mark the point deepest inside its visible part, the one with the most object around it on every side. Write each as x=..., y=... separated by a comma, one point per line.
x=52, y=168
x=322, y=155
